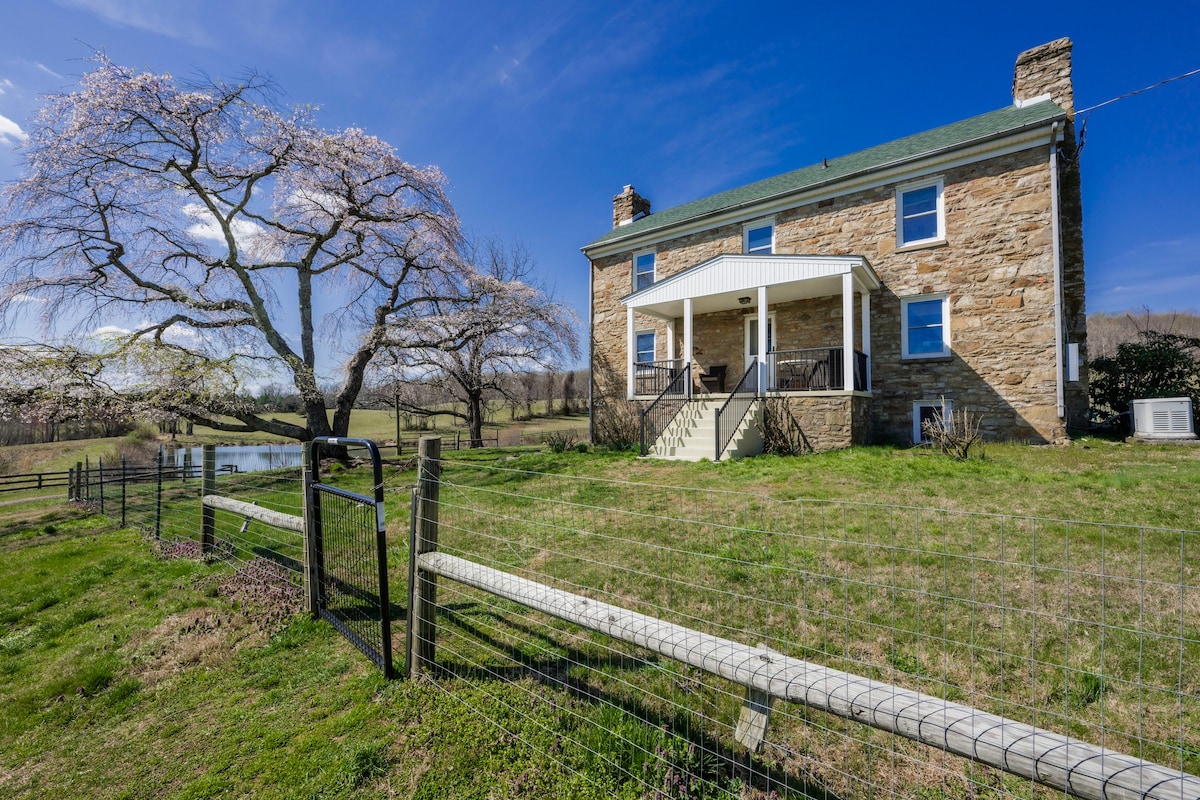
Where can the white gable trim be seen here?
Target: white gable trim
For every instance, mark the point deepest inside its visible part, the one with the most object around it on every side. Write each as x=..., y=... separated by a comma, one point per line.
x=745, y=272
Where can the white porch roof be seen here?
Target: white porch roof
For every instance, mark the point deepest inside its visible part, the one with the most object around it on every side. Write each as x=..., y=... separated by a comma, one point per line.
x=717, y=284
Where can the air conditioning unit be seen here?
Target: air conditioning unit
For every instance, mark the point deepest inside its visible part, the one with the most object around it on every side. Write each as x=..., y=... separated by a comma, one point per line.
x=1163, y=418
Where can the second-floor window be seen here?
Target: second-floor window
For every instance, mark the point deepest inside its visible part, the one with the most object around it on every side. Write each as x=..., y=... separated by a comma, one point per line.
x=759, y=237
x=919, y=214
x=643, y=271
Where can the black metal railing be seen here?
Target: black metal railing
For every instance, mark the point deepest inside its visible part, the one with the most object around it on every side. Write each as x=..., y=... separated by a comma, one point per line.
x=734, y=409
x=658, y=415
x=653, y=377
x=814, y=369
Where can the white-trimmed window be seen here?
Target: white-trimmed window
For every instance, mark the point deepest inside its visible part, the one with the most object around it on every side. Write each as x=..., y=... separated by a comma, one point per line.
x=925, y=326
x=759, y=237
x=934, y=412
x=645, y=347
x=643, y=270
x=920, y=213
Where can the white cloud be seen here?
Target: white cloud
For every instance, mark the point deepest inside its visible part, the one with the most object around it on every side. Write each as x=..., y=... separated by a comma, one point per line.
x=27, y=298
x=176, y=20
x=5, y=85
x=11, y=133
x=48, y=71
x=251, y=237
x=110, y=332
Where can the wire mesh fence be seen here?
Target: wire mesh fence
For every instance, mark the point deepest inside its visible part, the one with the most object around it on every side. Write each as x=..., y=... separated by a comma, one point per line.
x=1082, y=629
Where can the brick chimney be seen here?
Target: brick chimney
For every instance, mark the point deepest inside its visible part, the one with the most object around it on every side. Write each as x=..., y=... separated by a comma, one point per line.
x=1045, y=70
x=628, y=206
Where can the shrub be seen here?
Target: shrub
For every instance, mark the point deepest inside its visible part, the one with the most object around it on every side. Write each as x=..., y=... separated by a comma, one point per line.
x=560, y=441
x=953, y=435
x=1160, y=365
x=616, y=423
x=781, y=432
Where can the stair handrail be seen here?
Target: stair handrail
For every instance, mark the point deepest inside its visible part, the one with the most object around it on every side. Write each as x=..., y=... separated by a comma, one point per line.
x=679, y=390
x=745, y=393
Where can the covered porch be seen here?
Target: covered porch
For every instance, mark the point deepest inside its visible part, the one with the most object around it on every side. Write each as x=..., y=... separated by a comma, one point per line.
x=716, y=313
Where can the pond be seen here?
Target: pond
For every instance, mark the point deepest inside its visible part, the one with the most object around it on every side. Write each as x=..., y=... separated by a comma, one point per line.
x=238, y=458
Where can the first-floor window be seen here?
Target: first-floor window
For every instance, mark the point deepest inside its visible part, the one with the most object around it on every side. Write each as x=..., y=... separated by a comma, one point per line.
x=929, y=413
x=925, y=326
x=645, y=347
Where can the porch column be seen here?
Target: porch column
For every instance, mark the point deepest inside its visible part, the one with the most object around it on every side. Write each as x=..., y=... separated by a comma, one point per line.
x=847, y=331
x=671, y=338
x=762, y=339
x=866, y=336
x=630, y=350
x=687, y=340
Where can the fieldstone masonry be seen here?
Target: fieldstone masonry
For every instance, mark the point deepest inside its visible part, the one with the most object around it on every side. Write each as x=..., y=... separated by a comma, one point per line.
x=996, y=265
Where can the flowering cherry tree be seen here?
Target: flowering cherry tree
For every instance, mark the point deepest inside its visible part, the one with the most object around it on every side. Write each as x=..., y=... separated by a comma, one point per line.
x=222, y=225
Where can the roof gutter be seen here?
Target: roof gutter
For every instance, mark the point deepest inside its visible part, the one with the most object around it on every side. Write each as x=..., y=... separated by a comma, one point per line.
x=1056, y=237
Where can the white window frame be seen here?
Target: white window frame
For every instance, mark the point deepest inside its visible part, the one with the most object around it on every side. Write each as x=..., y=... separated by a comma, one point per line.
x=947, y=407
x=653, y=269
x=921, y=298
x=637, y=352
x=768, y=222
x=940, y=210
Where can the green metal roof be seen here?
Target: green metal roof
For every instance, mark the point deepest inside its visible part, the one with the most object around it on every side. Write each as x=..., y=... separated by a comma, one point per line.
x=1009, y=119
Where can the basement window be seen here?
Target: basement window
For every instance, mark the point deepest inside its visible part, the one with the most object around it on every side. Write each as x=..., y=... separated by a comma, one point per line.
x=934, y=412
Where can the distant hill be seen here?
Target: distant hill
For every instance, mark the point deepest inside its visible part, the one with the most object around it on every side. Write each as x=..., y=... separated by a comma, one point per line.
x=1106, y=331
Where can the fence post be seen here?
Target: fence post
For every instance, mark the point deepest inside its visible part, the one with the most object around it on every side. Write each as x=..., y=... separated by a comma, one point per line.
x=158, y=498
x=122, y=490
x=208, y=485
x=101, y=485
x=87, y=478
x=78, y=481
x=422, y=586
x=312, y=533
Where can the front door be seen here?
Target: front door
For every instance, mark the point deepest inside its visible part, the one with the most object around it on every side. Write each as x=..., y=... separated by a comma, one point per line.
x=751, y=338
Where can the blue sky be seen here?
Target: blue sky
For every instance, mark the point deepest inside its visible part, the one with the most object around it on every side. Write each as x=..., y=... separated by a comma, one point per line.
x=539, y=112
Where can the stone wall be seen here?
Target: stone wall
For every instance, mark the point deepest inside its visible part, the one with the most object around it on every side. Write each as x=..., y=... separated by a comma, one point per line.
x=830, y=422
x=996, y=266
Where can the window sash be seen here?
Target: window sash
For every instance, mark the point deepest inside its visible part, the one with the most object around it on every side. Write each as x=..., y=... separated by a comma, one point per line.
x=924, y=328
x=920, y=214
x=760, y=239
x=645, y=347
x=643, y=271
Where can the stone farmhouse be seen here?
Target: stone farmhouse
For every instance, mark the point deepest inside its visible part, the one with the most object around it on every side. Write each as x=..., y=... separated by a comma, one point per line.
x=937, y=273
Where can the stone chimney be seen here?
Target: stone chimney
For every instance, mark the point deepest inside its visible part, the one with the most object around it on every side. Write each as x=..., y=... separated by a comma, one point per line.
x=1045, y=71
x=628, y=206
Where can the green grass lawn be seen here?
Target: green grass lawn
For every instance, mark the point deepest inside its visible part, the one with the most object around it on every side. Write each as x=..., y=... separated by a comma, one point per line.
x=129, y=675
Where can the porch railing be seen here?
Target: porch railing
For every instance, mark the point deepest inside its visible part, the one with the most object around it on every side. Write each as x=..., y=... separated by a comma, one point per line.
x=814, y=369
x=658, y=415
x=653, y=377
x=734, y=409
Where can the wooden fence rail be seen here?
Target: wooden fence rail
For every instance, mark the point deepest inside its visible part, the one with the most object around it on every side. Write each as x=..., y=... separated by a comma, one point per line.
x=1061, y=762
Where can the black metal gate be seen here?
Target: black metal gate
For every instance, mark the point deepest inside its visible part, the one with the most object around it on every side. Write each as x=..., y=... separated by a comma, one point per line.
x=350, y=555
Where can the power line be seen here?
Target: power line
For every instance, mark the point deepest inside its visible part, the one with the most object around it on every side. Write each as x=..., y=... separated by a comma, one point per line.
x=1086, y=112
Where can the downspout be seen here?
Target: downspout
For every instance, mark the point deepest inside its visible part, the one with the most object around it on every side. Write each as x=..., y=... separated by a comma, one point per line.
x=591, y=346
x=1056, y=238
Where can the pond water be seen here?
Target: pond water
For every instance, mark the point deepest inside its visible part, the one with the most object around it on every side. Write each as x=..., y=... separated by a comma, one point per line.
x=238, y=458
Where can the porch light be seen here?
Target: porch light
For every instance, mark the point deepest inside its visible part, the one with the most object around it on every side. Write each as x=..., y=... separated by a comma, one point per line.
x=744, y=301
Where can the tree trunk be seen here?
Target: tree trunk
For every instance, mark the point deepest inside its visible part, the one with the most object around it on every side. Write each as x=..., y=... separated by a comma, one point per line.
x=475, y=418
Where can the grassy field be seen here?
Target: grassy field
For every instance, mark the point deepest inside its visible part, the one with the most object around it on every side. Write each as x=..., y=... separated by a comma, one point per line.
x=130, y=675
